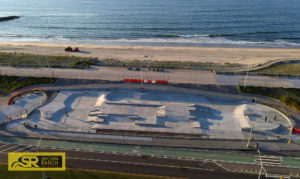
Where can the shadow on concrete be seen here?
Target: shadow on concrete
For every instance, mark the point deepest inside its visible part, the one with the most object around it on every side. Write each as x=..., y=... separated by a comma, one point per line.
x=58, y=115
x=203, y=113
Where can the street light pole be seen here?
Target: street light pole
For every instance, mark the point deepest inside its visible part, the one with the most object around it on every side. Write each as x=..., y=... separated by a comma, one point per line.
x=141, y=76
x=250, y=133
x=245, y=84
x=38, y=144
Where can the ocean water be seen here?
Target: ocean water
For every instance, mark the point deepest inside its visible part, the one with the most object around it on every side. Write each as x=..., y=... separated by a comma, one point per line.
x=230, y=23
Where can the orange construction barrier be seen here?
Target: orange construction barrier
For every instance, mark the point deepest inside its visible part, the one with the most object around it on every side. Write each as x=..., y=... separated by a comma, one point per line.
x=145, y=81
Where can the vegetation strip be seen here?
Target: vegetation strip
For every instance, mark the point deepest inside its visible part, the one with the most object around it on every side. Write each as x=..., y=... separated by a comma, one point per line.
x=289, y=96
x=31, y=60
x=9, y=84
x=168, y=64
x=283, y=69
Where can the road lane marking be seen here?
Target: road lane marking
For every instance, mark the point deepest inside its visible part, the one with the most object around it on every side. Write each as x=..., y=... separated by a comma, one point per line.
x=4, y=146
x=9, y=148
x=20, y=149
x=135, y=163
x=268, y=156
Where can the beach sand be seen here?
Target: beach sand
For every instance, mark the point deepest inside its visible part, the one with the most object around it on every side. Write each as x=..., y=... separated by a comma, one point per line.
x=195, y=54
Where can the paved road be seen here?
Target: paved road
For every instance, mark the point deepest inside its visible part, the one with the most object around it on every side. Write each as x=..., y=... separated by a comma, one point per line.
x=173, y=76
x=150, y=164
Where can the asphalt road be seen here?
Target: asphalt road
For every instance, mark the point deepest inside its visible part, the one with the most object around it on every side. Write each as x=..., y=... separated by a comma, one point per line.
x=173, y=76
x=147, y=164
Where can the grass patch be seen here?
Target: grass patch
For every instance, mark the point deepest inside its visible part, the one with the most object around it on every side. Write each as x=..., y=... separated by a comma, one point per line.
x=168, y=64
x=288, y=96
x=69, y=174
x=282, y=69
x=31, y=60
x=11, y=83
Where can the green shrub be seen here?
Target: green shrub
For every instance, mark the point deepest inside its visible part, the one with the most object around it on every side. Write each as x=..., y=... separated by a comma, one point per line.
x=12, y=83
x=31, y=60
x=288, y=96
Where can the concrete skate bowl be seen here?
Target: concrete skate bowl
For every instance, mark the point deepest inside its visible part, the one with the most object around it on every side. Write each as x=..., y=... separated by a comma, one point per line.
x=280, y=130
x=23, y=102
x=67, y=105
x=119, y=95
x=17, y=94
x=267, y=120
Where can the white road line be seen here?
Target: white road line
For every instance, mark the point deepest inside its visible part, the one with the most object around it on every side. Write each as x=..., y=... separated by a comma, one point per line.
x=269, y=161
x=9, y=148
x=19, y=150
x=45, y=147
x=268, y=156
x=145, y=164
x=3, y=146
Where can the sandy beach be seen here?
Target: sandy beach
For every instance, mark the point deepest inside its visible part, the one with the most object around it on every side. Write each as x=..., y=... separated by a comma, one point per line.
x=196, y=54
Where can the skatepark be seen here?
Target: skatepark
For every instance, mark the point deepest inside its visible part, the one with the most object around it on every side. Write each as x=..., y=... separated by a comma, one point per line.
x=115, y=111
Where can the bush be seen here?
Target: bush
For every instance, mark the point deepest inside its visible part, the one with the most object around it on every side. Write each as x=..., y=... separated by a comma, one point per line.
x=288, y=96
x=12, y=83
x=31, y=60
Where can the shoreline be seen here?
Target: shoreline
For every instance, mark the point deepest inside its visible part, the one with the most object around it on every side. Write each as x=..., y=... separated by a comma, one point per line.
x=241, y=55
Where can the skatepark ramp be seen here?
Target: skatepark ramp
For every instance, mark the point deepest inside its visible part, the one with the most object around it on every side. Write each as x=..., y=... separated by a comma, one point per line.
x=243, y=120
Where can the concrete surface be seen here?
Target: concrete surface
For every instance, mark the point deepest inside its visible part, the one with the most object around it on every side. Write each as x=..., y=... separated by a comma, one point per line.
x=155, y=111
